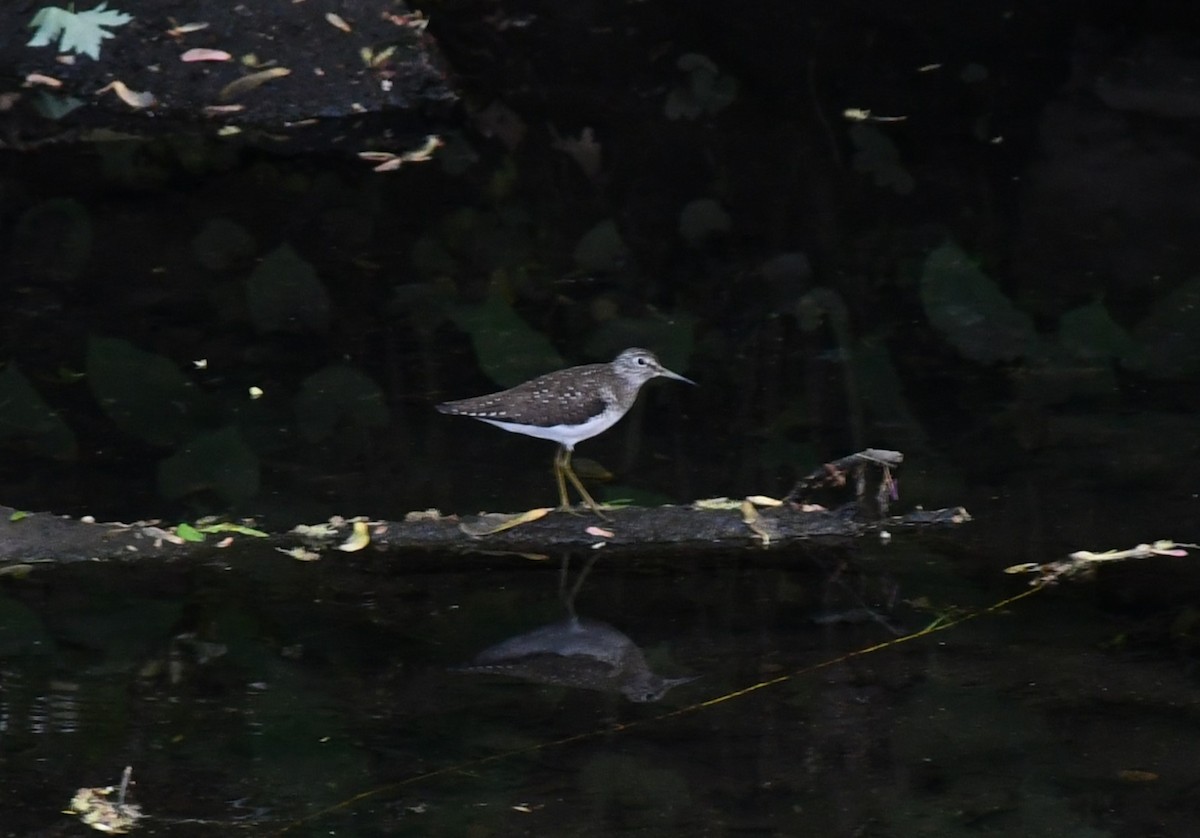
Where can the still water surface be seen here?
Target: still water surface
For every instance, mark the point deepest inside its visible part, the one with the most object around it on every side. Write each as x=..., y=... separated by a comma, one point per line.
x=251, y=692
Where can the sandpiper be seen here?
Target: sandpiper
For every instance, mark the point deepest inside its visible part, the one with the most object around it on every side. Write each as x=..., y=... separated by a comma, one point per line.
x=568, y=407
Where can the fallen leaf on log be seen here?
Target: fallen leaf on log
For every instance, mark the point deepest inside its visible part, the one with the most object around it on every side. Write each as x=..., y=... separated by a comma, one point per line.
x=201, y=54
x=247, y=83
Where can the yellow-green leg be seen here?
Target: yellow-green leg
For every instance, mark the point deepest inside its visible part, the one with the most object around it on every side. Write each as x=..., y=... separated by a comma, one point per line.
x=564, y=502
x=562, y=466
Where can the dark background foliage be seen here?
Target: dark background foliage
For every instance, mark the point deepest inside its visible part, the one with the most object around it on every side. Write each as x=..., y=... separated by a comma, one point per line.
x=957, y=230
x=961, y=230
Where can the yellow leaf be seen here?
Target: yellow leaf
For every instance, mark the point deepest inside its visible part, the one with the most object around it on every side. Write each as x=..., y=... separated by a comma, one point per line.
x=358, y=540
x=491, y=524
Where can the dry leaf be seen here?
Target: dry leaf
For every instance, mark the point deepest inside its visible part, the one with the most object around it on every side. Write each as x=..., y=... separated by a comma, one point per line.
x=765, y=530
x=425, y=152
x=220, y=110
x=129, y=97
x=494, y=523
x=315, y=532
x=599, y=533
x=201, y=54
x=430, y=514
x=336, y=20
x=176, y=31
x=389, y=162
x=716, y=503
x=763, y=500
x=38, y=78
x=749, y=513
x=415, y=20
x=247, y=83
x=584, y=150
x=300, y=554
x=96, y=810
x=865, y=115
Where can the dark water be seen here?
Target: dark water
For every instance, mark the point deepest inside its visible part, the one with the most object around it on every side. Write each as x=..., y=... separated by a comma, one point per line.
x=993, y=271
x=250, y=693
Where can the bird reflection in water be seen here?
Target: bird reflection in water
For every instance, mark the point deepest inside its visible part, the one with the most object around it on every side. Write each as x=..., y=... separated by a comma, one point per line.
x=575, y=652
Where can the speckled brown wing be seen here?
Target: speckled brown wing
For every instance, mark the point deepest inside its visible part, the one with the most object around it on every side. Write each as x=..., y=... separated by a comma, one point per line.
x=557, y=398
x=574, y=412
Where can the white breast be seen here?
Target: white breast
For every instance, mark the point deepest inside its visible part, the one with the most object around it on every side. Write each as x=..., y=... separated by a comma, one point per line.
x=568, y=435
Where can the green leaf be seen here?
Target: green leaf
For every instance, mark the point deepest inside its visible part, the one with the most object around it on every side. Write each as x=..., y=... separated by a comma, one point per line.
x=430, y=258
x=53, y=240
x=601, y=248
x=27, y=417
x=22, y=630
x=18, y=515
x=702, y=218
x=507, y=348
x=53, y=106
x=145, y=394
x=964, y=304
x=222, y=244
x=974, y=73
x=337, y=393
x=672, y=340
x=1169, y=335
x=877, y=156
x=705, y=91
x=220, y=462
x=1090, y=333
x=78, y=32
x=189, y=533
x=285, y=295
x=226, y=526
x=881, y=389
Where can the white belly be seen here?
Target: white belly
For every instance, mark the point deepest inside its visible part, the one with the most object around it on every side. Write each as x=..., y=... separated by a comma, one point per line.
x=568, y=435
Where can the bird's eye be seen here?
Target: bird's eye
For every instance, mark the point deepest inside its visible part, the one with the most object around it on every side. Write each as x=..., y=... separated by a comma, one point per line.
x=641, y=361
